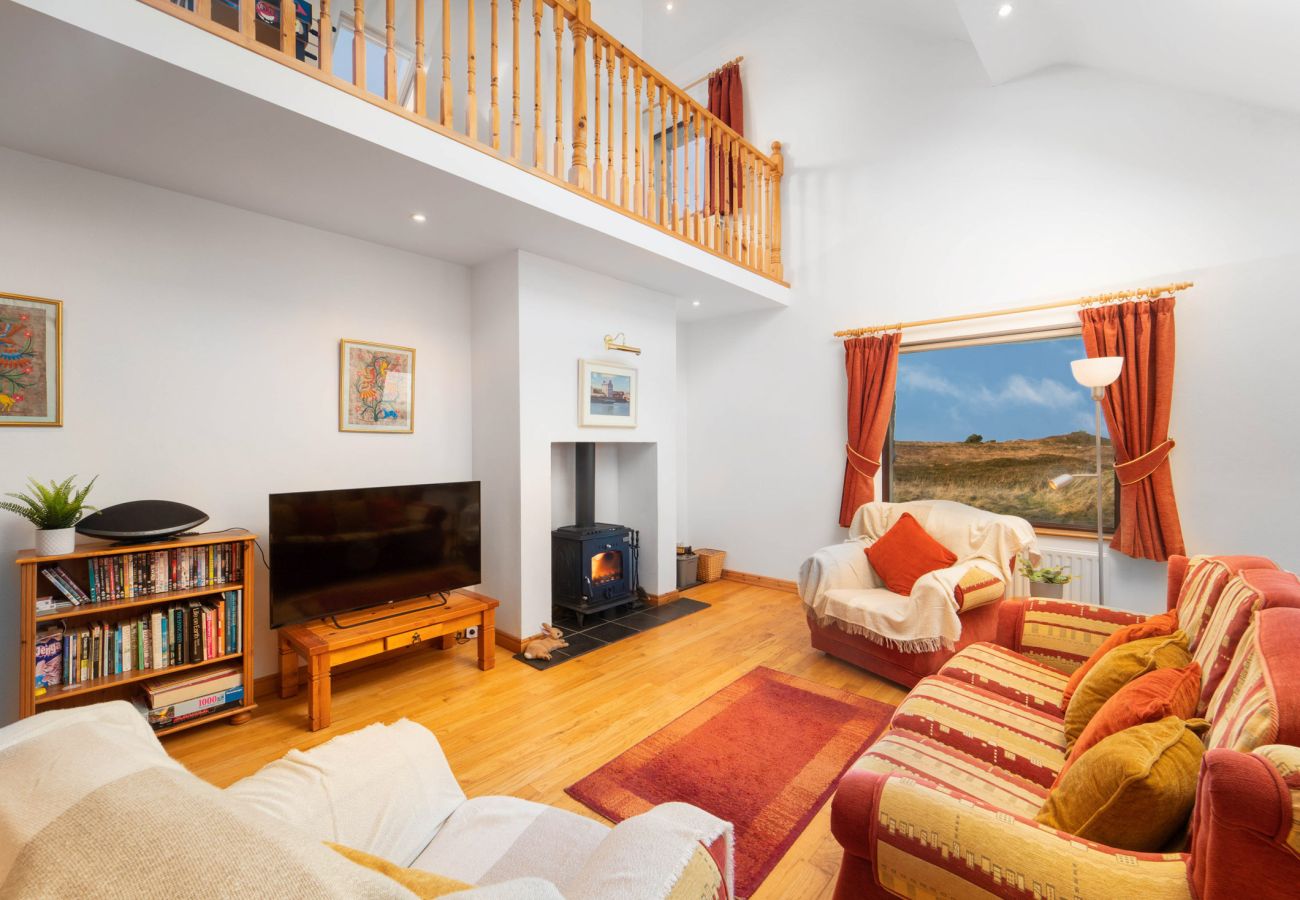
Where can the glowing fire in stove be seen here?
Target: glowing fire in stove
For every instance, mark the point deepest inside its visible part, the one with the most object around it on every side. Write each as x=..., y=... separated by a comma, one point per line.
x=606, y=567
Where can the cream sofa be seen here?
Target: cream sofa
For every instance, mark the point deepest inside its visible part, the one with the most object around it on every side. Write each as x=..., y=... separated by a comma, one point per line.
x=91, y=805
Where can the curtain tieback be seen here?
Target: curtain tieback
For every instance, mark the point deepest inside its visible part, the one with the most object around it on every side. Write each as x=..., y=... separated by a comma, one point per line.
x=1142, y=467
x=874, y=464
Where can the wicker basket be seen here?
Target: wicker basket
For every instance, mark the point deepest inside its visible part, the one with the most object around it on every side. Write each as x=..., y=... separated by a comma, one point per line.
x=711, y=563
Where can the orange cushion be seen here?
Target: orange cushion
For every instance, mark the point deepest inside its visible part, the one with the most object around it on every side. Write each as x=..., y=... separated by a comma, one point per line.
x=1147, y=698
x=905, y=552
x=1154, y=626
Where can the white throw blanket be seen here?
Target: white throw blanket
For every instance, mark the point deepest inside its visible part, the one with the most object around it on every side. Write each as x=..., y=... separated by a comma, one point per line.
x=839, y=587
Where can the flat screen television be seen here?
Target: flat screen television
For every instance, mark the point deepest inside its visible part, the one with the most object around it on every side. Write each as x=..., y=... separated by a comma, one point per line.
x=338, y=551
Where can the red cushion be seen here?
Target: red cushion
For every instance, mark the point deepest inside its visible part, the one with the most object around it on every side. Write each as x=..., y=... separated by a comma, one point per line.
x=905, y=552
x=1147, y=698
x=1162, y=625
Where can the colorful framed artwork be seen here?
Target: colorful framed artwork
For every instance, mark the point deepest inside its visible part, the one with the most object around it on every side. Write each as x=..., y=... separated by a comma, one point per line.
x=31, y=361
x=607, y=394
x=376, y=388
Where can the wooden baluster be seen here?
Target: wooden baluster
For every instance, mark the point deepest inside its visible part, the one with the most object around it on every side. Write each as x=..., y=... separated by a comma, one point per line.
x=359, y=44
x=609, y=123
x=751, y=203
x=775, y=266
x=557, y=20
x=579, y=172
x=624, y=185
x=288, y=28
x=248, y=19
x=767, y=219
x=597, y=161
x=421, y=64
x=735, y=189
x=446, y=112
x=638, y=187
x=326, y=27
x=390, y=52
x=664, y=208
x=699, y=179
x=496, y=76
x=516, y=122
x=471, y=96
x=715, y=183
x=539, y=137
x=203, y=9
x=675, y=208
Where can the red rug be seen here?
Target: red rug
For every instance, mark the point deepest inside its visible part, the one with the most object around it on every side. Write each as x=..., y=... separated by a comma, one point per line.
x=764, y=753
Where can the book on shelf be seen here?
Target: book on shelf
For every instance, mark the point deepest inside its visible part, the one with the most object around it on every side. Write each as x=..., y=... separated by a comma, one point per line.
x=52, y=604
x=49, y=657
x=185, y=686
x=176, y=713
x=171, y=635
x=132, y=575
x=69, y=588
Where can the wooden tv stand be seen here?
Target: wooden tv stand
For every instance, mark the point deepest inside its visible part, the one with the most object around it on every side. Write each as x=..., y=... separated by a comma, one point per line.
x=334, y=640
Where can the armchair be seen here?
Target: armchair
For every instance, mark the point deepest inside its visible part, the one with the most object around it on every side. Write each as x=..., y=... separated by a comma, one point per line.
x=854, y=616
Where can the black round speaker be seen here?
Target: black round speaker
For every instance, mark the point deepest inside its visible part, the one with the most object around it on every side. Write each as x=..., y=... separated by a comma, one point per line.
x=141, y=520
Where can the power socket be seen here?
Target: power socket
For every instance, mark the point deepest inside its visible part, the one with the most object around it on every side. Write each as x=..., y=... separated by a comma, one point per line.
x=471, y=632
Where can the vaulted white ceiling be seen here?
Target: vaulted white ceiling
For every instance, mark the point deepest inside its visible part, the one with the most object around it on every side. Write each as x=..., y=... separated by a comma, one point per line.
x=1244, y=50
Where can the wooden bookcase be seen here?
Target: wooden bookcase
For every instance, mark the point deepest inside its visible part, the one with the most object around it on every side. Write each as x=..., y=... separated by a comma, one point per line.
x=127, y=684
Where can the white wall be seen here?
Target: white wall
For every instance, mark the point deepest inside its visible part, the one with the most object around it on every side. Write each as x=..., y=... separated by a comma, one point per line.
x=916, y=190
x=201, y=357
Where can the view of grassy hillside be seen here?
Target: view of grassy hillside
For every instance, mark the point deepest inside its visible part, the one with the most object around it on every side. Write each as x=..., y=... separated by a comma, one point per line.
x=1008, y=476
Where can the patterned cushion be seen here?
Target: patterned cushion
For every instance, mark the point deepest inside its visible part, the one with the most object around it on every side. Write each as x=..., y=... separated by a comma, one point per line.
x=1286, y=760
x=1025, y=742
x=977, y=588
x=910, y=753
x=1258, y=701
x=1063, y=635
x=1009, y=675
x=1203, y=585
x=1223, y=631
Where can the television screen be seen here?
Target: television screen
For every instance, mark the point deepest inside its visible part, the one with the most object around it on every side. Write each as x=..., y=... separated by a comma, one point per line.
x=335, y=551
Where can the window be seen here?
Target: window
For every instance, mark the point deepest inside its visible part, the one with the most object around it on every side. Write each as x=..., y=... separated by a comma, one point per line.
x=990, y=422
x=376, y=56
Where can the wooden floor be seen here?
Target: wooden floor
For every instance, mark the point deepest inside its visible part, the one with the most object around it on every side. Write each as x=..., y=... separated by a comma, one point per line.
x=517, y=731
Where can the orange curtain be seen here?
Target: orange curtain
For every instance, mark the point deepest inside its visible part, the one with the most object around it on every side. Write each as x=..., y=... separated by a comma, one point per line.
x=872, y=366
x=1137, y=413
x=727, y=102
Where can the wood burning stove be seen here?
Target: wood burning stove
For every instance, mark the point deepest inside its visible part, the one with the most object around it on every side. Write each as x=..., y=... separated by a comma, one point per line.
x=593, y=564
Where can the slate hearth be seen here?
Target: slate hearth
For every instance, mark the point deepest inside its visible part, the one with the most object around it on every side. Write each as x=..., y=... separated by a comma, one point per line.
x=614, y=625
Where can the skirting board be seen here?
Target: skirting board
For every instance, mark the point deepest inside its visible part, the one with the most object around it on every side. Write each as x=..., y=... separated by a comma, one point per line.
x=512, y=644
x=776, y=584
x=662, y=599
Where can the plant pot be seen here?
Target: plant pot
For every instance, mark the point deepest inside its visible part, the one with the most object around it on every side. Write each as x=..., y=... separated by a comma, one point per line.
x=1046, y=591
x=55, y=541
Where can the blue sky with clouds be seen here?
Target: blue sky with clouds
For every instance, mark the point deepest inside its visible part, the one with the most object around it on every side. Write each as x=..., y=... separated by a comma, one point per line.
x=1003, y=391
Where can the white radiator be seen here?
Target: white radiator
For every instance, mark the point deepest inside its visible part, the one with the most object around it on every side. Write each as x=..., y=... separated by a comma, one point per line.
x=1079, y=562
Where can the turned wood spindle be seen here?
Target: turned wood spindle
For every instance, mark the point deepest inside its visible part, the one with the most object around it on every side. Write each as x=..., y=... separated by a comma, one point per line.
x=597, y=160
x=358, y=43
x=516, y=122
x=638, y=187
x=288, y=28
x=496, y=76
x=675, y=210
x=609, y=122
x=326, y=44
x=390, y=51
x=664, y=208
x=446, y=112
x=624, y=185
x=579, y=171
x=539, y=137
x=421, y=64
x=557, y=21
x=471, y=95
x=775, y=266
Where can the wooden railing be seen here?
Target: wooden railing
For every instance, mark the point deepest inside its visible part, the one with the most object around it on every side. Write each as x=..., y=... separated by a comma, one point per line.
x=634, y=141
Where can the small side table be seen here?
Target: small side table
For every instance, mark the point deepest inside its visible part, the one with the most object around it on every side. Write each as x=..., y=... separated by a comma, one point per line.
x=325, y=643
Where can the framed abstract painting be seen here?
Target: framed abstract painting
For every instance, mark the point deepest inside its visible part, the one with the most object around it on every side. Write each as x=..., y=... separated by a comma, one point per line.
x=376, y=388
x=607, y=394
x=31, y=361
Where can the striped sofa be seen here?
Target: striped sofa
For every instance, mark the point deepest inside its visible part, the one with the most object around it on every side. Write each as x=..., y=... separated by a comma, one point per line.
x=943, y=804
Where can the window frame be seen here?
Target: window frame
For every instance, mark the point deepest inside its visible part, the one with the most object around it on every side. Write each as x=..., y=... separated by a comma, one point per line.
x=1017, y=336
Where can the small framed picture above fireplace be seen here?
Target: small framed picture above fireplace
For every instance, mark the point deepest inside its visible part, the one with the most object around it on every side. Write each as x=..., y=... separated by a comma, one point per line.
x=607, y=395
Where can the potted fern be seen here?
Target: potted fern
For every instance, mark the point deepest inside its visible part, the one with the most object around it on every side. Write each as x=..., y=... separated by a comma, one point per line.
x=55, y=509
x=1048, y=582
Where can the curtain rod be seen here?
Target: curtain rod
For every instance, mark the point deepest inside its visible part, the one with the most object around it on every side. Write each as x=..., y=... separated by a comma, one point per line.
x=704, y=78
x=1151, y=293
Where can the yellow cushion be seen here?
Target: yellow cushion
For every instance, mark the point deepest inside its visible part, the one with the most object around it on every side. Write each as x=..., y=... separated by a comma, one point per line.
x=1134, y=790
x=423, y=884
x=1117, y=668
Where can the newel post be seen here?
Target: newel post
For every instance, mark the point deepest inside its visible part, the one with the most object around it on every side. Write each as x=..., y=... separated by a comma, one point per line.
x=579, y=174
x=779, y=160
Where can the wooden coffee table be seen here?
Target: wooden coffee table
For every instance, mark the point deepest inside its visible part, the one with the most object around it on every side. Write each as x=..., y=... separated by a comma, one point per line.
x=329, y=642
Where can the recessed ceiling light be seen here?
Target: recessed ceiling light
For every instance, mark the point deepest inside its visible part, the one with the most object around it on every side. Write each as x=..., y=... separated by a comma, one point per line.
x=1005, y=10
x=695, y=303
x=419, y=218
x=669, y=7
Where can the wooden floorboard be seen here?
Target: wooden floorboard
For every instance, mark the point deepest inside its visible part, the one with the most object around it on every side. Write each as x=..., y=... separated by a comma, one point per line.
x=518, y=731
